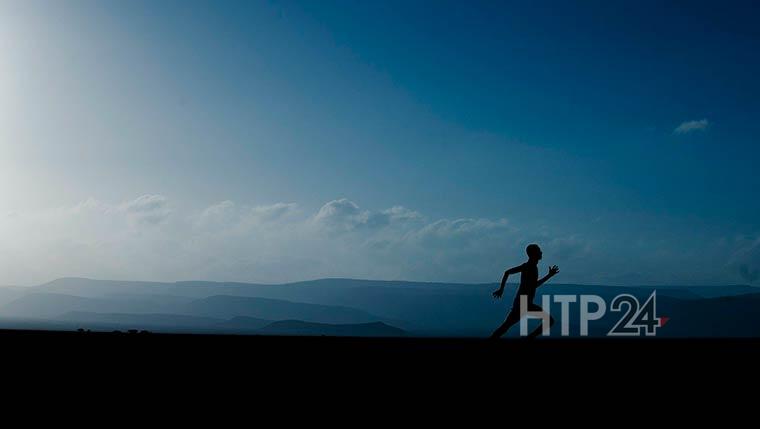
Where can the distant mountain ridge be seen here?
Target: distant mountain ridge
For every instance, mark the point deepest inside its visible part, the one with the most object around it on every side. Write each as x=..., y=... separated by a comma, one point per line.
x=225, y=306
x=298, y=327
x=418, y=308
x=140, y=320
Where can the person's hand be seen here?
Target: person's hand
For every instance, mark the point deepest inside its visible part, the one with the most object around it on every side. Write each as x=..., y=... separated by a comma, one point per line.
x=553, y=270
x=498, y=293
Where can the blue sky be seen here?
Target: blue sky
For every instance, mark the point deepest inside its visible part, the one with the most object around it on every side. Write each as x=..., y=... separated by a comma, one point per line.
x=278, y=141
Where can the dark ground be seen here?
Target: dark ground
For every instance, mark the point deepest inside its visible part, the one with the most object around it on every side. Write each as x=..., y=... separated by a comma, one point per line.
x=369, y=355
x=324, y=380
x=336, y=369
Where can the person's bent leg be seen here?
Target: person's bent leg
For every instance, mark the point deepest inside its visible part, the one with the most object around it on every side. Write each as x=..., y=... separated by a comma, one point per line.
x=539, y=329
x=512, y=318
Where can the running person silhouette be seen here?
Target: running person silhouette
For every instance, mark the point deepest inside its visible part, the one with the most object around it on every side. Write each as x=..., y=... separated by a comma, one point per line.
x=529, y=282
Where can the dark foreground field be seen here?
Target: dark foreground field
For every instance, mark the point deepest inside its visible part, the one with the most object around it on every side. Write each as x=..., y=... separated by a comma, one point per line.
x=361, y=378
x=383, y=359
x=356, y=379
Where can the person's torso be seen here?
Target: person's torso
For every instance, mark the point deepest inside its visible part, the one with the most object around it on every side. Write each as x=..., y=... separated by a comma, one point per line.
x=528, y=280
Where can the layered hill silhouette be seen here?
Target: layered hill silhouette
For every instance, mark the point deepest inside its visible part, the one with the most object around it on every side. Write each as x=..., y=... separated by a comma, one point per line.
x=243, y=324
x=148, y=320
x=339, y=307
x=225, y=306
x=298, y=327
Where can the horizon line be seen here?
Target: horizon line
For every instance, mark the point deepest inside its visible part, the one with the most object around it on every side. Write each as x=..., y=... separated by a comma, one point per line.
x=663, y=285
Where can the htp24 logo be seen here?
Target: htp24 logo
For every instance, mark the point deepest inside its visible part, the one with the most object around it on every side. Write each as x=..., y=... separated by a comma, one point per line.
x=636, y=319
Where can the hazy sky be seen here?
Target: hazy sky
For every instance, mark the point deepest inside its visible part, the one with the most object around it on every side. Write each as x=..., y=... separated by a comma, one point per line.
x=278, y=141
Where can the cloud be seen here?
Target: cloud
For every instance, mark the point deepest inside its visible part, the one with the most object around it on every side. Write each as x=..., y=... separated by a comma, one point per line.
x=147, y=209
x=130, y=239
x=340, y=215
x=462, y=232
x=343, y=215
x=222, y=213
x=273, y=212
x=150, y=239
x=691, y=126
x=228, y=214
x=399, y=213
x=145, y=203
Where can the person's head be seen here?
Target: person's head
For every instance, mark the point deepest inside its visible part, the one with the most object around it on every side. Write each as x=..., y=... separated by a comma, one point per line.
x=534, y=252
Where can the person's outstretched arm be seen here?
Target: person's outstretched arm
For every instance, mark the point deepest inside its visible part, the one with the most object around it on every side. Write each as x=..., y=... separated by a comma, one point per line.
x=553, y=270
x=500, y=291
